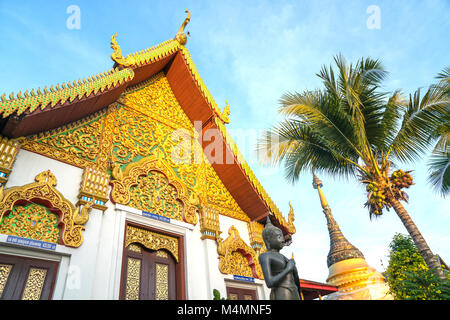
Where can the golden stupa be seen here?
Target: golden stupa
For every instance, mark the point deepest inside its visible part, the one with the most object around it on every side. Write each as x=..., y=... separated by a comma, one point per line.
x=348, y=269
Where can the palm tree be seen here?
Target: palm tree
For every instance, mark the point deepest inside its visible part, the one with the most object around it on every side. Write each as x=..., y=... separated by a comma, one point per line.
x=439, y=163
x=351, y=129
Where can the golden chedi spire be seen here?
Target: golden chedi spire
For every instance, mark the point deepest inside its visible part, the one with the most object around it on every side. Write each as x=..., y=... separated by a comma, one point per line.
x=348, y=269
x=340, y=247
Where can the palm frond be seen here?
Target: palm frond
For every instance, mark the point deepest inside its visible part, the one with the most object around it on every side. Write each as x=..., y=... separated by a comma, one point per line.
x=388, y=126
x=439, y=171
x=301, y=148
x=321, y=111
x=421, y=121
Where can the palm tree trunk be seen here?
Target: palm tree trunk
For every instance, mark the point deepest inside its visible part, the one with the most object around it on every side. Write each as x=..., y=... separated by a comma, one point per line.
x=419, y=241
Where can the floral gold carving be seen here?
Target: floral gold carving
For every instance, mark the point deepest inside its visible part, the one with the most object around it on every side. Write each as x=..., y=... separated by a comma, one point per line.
x=237, y=257
x=152, y=240
x=133, y=279
x=77, y=143
x=34, y=284
x=162, y=282
x=151, y=186
x=44, y=193
x=5, y=270
x=32, y=221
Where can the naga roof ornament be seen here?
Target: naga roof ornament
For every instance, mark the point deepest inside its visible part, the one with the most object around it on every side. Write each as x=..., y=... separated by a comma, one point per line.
x=181, y=36
x=224, y=115
x=117, y=55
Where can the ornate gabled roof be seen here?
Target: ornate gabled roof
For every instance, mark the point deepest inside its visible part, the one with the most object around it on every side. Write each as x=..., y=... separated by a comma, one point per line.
x=24, y=115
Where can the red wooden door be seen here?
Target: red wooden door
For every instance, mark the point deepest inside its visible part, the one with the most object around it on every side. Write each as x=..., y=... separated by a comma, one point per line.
x=148, y=274
x=26, y=279
x=241, y=294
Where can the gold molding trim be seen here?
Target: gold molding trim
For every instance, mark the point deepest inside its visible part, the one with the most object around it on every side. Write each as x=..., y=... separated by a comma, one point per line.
x=8, y=152
x=94, y=187
x=230, y=263
x=152, y=240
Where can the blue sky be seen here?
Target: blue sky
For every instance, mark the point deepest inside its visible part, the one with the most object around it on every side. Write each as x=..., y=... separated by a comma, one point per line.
x=250, y=53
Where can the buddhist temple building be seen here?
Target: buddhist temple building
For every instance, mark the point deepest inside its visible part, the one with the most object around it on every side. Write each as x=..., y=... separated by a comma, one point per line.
x=111, y=190
x=348, y=269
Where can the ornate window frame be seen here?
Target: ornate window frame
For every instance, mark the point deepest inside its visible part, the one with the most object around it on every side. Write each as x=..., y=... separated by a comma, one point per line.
x=43, y=192
x=124, y=180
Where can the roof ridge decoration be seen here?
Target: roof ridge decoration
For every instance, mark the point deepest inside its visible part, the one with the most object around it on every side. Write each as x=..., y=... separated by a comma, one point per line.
x=152, y=54
x=289, y=225
x=117, y=54
x=181, y=36
x=224, y=115
x=30, y=101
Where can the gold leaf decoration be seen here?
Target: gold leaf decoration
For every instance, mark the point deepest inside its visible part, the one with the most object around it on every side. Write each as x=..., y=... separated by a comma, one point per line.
x=236, y=257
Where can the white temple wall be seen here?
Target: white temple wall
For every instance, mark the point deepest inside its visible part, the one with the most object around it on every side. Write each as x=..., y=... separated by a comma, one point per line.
x=93, y=270
x=29, y=164
x=241, y=226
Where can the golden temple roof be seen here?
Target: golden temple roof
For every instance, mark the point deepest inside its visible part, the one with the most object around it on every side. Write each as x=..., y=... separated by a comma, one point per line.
x=125, y=73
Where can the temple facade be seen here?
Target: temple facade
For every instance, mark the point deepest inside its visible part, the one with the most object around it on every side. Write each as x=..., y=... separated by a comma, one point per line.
x=127, y=185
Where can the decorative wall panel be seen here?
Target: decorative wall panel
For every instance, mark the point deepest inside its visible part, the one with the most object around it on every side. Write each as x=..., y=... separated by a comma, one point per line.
x=236, y=257
x=27, y=206
x=152, y=240
x=34, y=284
x=32, y=221
x=133, y=279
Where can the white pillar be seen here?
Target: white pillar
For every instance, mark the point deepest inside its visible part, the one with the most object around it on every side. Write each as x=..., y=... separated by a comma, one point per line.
x=82, y=266
x=109, y=256
x=214, y=277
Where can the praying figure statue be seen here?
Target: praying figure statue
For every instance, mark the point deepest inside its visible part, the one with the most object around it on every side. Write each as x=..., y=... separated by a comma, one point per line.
x=280, y=273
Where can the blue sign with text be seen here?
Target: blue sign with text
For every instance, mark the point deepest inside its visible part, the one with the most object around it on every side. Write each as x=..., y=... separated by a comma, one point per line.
x=155, y=216
x=242, y=278
x=31, y=243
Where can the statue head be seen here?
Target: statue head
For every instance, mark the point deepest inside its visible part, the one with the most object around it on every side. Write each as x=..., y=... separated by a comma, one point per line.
x=272, y=236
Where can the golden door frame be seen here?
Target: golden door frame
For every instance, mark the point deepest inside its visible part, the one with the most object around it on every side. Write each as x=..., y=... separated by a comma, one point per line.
x=180, y=276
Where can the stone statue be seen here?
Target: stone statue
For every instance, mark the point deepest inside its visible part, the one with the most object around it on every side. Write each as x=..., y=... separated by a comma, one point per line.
x=280, y=273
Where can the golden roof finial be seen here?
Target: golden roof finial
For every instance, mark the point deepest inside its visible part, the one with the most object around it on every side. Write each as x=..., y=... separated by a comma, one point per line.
x=117, y=56
x=181, y=36
x=225, y=115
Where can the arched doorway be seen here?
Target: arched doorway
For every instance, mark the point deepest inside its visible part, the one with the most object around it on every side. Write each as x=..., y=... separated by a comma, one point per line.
x=151, y=267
